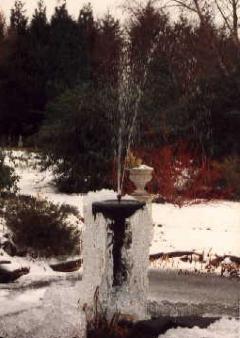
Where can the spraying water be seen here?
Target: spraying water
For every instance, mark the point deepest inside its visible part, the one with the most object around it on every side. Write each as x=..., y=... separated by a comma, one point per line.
x=130, y=93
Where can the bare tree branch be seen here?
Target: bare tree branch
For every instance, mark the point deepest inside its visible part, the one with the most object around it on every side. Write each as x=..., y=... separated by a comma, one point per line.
x=235, y=20
x=224, y=16
x=183, y=4
x=231, y=19
x=195, y=7
x=199, y=11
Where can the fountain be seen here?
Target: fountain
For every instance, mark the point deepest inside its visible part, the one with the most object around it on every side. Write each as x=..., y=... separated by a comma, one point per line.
x=116, y=258
x=118, y=231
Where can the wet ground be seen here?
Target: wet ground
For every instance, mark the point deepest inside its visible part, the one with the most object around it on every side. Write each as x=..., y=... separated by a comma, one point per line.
x=27, y=309
x=171, y=293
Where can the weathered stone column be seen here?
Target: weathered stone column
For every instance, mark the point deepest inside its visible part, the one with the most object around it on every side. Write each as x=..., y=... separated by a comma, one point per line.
x=116, y=245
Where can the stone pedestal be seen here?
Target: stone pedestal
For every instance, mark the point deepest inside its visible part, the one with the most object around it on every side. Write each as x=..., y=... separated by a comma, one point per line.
x=116, y=239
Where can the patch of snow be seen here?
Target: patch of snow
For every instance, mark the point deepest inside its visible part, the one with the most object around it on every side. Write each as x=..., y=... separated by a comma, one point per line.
x=213, y=228
x=49, y=313
x=31, y=296
x=224, y=328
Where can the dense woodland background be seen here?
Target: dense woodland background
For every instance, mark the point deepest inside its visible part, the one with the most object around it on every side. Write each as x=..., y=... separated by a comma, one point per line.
x=59, y=92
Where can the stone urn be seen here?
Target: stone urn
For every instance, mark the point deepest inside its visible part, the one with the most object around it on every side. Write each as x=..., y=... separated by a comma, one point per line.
x=140, y=176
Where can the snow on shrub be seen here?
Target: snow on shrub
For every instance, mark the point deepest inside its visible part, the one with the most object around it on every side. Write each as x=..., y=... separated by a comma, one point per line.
x=41, y=228
x=8, y=179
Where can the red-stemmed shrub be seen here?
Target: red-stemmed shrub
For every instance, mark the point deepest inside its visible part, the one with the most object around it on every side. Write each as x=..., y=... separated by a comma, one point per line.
x=182, y=176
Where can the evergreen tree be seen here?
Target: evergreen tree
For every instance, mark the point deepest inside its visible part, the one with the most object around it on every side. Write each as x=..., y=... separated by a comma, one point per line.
x=108, y=48
x=150, y=36
x=64, y=55
x=88, y=33
x=190, y=91
x=3, y=56
x=15, y=84
x=39, y=25
x=86, y=21
x=2, y=26
x=38, y=67
x=18, y=19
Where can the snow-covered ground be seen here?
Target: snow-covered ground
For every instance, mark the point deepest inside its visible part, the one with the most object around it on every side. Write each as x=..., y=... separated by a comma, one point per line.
x=223, y=328
x=209, y=229
x=38, y=183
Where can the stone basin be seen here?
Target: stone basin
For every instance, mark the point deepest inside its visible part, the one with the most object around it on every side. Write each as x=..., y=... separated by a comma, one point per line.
x=114, y=209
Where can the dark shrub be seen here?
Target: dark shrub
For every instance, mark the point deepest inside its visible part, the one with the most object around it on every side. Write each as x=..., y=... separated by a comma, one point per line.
x=42, y=228
x=8, y=179
x=77, y=140
x=230, y=166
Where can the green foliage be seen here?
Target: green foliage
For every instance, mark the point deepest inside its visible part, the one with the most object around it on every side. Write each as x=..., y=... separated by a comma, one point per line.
x=77, y=139
x=42, y=228
x=8, y=179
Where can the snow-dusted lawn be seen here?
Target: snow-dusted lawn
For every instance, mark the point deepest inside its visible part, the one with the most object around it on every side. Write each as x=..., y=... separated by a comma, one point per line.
x=213, y=227
x=210, y=229
x=35, y=182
